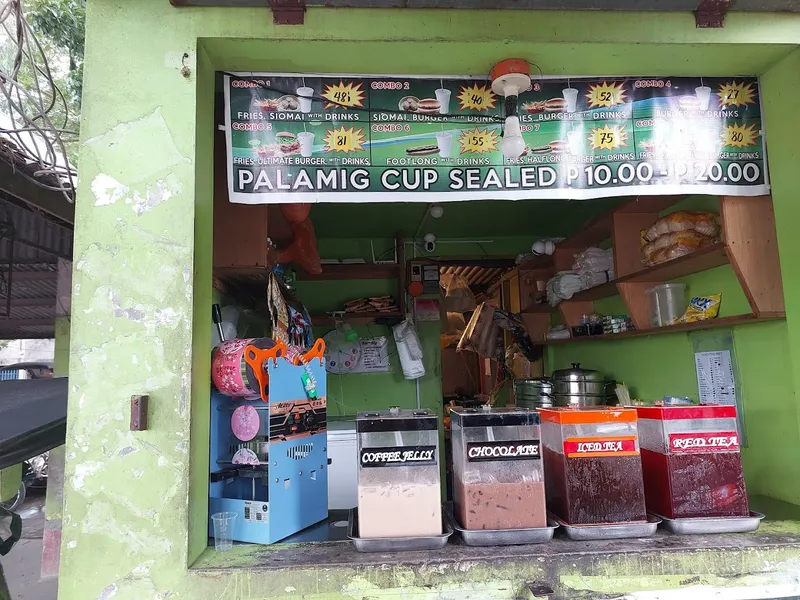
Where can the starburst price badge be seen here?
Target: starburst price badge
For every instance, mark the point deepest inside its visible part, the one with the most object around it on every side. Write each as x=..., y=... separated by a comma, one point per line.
x=477, y=97
x=605, y=95
x=608, y=137
x=344, y=95
x=739, y=135
x=736, y=94
x=344, y=140
x=478, y=141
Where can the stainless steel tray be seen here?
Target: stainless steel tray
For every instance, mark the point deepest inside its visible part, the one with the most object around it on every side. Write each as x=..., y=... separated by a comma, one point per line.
x=700, y=525
x=433, y=542
x=503, y=537
x=609, y=531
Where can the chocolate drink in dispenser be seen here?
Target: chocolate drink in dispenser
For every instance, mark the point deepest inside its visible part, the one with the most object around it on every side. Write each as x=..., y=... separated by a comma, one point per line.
x=497, y=468
x=592, y=465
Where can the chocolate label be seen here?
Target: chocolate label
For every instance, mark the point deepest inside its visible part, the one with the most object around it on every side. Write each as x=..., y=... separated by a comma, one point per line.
x=686, y=443
x=401, y=456
x=516, y=450
x=594, y=447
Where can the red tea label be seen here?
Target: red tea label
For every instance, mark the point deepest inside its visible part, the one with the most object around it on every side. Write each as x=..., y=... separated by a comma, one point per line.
x=594, y=447
x=683, y=443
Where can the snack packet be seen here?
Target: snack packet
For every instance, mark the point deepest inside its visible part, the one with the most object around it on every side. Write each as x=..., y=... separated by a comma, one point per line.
x=701, y=308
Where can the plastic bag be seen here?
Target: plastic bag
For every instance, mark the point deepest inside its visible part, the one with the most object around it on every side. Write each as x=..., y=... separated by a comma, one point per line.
x=701, y=308
x=594, y=260
x=409, y=349
x=687, y=242
x=704, y=223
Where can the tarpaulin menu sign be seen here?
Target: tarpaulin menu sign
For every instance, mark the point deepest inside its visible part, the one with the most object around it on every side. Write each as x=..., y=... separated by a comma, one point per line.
x=325, y=138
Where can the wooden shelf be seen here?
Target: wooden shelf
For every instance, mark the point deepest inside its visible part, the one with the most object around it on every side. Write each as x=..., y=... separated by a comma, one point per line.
x=352, y=271
x=700, y=260
x=696, y=262
x=365, y=318
x=679, y=328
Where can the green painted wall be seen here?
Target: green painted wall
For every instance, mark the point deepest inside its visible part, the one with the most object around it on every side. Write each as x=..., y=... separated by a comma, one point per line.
x=135, y=503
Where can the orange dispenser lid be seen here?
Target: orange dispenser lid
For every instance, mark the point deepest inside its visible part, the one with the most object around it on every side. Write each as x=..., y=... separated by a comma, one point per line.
x=587, y=416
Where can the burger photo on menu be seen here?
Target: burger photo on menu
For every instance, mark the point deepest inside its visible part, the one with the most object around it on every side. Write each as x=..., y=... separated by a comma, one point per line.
x=287, y=142
x=429, y=106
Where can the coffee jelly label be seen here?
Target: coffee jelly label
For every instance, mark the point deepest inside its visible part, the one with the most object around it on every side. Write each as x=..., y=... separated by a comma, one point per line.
x=516, y=450
x=687, y=443
x=606, y=446
x=401, y=456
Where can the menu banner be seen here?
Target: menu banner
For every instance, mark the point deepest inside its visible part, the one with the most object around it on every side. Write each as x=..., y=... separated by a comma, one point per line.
x=326, y=138
x=512, y=450
x=601, y=446
x=400, y=456
x=686, y=443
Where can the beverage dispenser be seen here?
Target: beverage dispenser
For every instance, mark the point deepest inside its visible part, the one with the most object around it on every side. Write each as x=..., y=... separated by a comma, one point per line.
x=594, y=470
x=691, y=460
x=399, y=486
x=497, y=468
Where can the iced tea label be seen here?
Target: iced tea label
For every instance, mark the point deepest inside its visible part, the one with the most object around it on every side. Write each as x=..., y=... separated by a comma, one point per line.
x=593, y=447
x=684, y=443
x=516, y=450
x=401, y=456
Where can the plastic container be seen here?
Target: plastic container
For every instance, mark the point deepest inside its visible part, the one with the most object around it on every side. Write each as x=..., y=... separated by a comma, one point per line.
x=223, y=530
x=497, y=468
x=399, y=489
x=667, y=303
x=592, y=465
x=691, y=461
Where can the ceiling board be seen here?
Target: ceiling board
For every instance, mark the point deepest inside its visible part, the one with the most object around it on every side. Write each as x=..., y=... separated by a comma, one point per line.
x=475, y=219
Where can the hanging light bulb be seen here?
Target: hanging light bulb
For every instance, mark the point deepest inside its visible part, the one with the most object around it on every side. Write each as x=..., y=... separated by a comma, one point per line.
x=510, y=78
x=512, y=145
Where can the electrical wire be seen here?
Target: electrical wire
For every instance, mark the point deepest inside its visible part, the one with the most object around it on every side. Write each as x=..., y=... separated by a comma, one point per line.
x=30, y=141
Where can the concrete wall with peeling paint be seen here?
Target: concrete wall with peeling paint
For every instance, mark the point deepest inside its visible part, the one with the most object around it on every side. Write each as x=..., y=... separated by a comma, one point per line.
x=135, y=503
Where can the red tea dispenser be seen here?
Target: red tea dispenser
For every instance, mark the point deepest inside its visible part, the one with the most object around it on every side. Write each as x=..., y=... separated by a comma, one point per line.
x=691, y=460
x=593, y=470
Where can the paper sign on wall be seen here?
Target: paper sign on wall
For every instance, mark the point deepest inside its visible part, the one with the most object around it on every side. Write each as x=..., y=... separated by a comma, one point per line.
x=715, y=379
x=374, y=356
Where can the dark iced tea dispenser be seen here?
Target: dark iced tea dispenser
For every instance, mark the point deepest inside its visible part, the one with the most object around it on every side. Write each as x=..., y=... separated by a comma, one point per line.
x=691, y=460
x=497, y=468
x=593, y=471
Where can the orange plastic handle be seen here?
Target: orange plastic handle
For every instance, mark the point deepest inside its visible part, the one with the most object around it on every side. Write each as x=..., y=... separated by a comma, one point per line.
x=257, y=359
x=317, y=351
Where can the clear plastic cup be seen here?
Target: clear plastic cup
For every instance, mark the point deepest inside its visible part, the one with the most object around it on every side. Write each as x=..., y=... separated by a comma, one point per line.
x=306, y=139
x=571, y=96
x=305, y=95
x=667, y=303
x=703, y=94
x=444, y=140
x=223, y=530
x=443, y=96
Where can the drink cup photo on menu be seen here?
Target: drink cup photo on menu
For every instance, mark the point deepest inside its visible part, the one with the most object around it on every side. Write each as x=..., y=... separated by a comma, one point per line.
x=305, y=95
x=571, y=96
x=444, y=139
x=703, y=94
x=443, y=96
x=306, y=139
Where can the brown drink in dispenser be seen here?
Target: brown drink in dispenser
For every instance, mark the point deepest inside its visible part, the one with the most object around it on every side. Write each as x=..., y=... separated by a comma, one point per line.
x=692, y=465
x=497, y=468
x=593, y=466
